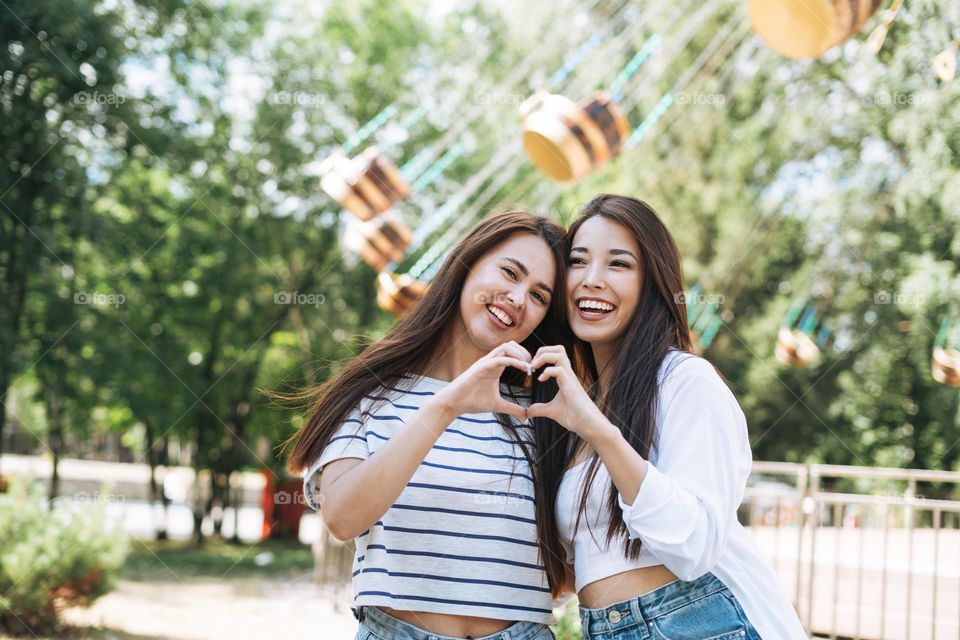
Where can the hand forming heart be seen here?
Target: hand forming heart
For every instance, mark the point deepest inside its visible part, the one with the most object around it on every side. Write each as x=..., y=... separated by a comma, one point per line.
x=477, y=389
x=572, y=407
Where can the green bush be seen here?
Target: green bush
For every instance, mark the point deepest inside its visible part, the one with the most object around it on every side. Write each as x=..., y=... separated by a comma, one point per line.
x=568, y=623
x=51, y=558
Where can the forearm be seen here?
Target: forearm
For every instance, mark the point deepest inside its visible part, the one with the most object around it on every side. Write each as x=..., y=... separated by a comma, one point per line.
x=627, y=468
x=355, y=501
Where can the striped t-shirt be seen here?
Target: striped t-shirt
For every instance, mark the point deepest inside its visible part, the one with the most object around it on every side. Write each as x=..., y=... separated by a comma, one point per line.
x=462, y=538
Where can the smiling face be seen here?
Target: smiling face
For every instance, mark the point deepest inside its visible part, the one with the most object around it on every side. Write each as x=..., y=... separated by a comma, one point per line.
x=604, y=280
x=507, y=291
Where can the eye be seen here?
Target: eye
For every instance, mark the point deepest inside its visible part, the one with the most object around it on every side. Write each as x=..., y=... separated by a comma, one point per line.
x=510, y=272
x=571, y=261
x=539, y=297
x=620, y=263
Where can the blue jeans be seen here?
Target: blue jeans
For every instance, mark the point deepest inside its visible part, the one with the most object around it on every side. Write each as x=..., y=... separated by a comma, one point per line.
x=697, y=610
x=377, y=625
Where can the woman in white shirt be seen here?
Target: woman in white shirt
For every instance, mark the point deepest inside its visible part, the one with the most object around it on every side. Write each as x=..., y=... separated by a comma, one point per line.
x=418, y=450
x=651, y=466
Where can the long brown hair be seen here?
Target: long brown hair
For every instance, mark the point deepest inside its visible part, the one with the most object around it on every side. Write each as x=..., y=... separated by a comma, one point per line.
x=415, y=339
x=659, y=323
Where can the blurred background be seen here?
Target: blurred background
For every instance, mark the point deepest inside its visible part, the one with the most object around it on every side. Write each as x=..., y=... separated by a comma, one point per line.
x=202, y=202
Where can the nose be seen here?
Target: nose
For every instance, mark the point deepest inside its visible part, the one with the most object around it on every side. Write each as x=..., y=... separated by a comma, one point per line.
x=516, y=298
x=593, y=279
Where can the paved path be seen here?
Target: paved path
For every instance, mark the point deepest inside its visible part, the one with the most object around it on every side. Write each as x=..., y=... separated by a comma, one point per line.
x=236, y=609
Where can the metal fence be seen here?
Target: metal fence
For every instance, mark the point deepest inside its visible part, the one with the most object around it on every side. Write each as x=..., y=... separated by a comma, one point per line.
x=864, y=552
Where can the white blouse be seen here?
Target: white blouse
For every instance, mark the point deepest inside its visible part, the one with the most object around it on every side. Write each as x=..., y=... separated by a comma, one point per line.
x=685, y=512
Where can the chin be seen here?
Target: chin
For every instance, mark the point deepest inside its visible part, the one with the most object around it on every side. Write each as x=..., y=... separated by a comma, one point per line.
x=484, y=338
x=593, y=333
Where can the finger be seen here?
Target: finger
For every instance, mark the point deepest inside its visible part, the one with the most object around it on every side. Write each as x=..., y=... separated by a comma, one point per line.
x=550, y=348
x=512, y=409
x=543, y=358
x=513, y=350
x=507, y=361
x=520, y=350
x=550, y=355
x=550, y=372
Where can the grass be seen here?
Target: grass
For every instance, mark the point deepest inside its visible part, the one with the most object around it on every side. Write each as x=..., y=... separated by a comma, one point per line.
x=168, y=560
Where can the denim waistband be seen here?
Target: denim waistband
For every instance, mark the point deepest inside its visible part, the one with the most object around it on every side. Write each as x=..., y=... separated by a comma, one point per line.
x=386, y=626
x=648, y=606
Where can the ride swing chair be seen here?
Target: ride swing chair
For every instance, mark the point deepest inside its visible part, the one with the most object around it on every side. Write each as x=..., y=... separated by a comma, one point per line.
x=945, y=359
x=802, y=337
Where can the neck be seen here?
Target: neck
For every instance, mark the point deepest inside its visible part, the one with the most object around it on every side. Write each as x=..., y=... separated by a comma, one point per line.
x=603, y=356
x=454, y=354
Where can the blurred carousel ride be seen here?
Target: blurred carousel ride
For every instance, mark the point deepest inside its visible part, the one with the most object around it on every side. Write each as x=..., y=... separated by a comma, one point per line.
x=808, y=28
x=703, y=318
x=567, y=141
x=945, y=362
x=800, y=342
x=366, y=186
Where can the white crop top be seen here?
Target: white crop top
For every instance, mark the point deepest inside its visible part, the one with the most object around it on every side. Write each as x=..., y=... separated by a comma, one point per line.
x=588, y=551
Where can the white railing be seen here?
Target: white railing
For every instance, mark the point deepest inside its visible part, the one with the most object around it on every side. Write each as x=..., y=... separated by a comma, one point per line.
x=862, y=552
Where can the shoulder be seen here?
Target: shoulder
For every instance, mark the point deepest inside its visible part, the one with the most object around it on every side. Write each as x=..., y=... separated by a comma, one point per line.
x=394, y=397
x=688, y=378
x=679, y=367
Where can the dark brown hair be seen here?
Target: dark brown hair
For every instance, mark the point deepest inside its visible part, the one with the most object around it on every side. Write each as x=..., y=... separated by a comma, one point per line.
x=415, y=339
x=630, y=402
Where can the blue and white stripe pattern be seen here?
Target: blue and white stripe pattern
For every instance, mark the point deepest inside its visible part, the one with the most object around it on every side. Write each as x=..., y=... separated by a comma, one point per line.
x=461, y=538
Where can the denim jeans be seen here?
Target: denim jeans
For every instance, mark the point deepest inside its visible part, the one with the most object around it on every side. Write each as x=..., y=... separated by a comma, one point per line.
x=377, y=625
x=698, y=610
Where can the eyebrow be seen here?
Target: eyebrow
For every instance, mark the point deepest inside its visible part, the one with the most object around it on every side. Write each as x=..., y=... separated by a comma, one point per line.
x=526, y=272
x=613, y=252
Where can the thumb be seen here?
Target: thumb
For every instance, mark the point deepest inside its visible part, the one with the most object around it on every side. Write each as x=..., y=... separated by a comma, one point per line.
x=539, y=410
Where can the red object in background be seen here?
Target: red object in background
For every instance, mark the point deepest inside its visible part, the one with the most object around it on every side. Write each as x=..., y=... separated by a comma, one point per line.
x=283, y=505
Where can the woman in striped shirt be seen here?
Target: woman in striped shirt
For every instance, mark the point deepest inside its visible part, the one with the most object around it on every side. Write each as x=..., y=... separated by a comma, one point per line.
x=420, y=449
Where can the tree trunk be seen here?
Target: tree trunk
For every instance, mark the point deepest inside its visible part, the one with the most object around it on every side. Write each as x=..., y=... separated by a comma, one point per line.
x=217, y=500
x=4, y=388
x=16, y=271
x=236, y=498
x=54, y=440
x=156, y=489
x=163, y=459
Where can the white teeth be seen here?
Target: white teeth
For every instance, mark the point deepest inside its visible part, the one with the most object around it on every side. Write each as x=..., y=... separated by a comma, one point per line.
x=504, y=318
x=595, y=304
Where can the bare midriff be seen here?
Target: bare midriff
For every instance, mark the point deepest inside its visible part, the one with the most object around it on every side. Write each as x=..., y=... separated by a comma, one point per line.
x=624, y=586
x=449, y=625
